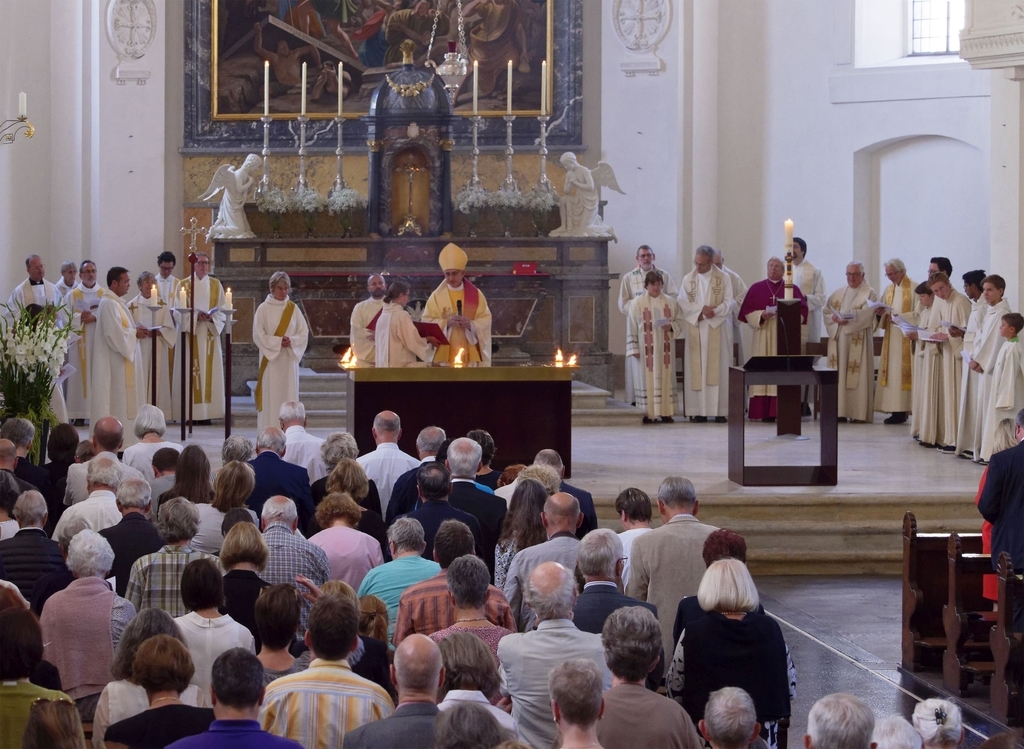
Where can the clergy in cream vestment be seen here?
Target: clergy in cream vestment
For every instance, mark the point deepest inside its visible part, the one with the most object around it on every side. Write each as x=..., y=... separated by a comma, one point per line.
x=35, y=289
x=1006, y=396
x=396, y=340
x=739, y=293
x=360, y=336
x=951, y=308
x=631, y=286
x=280, y=332
x=655, y=321
x=116, y=367
x=812, y=284
x=983, y=349
x=461, y=310
x=895, y=394
x=68, y=277
x=160, y=333
x=166, y=284
x=207, y=379
x=706, y=301
x=926, y=376
x=83, y=302
x=851, y=350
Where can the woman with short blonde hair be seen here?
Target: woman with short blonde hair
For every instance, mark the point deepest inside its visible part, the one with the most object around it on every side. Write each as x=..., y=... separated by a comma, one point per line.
x=232, y=487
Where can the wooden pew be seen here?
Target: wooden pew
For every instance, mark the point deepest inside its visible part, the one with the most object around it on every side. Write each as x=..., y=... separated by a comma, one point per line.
x=925, y=591
x=1007, y=689
x=967, y=618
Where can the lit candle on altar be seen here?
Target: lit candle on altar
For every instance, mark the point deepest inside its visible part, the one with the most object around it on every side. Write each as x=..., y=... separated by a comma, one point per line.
x=303, y=89
x=476, y=85
x=789, y=234
x=341, y=69
x=509, y=94
x=788, y=294
x=23, y=104
x=182, y=299
x=544, y=88
x=266, y=88
x=227, y=299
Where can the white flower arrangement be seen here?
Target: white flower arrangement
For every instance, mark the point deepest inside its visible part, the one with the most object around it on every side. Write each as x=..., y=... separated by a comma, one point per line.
x=344, y=200
x=308, y=201
x=539, y=201
x=274, y=200
x=506, y=200
x=472, y=198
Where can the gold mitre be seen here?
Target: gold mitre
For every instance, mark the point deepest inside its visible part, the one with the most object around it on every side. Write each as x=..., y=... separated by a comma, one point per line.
x=452, y=257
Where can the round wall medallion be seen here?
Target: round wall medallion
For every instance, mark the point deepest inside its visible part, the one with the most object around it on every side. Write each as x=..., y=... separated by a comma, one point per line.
x=641, y=24
x=131, y=27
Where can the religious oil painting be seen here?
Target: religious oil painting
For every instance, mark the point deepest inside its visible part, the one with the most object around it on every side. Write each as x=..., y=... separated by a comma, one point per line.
x=364, y=36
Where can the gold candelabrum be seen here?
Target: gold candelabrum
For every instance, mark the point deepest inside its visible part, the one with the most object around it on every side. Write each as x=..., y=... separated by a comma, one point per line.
x=9, y=129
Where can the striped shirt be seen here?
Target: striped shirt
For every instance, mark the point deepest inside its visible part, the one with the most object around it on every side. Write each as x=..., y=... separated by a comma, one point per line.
x=426, y=608
x=155, y=581
x=318, y=706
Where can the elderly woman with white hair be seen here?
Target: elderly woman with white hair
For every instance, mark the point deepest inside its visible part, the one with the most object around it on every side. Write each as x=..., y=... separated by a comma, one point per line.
x=939, y=724
x=150, y=427
x=732, y=646
x=82, y=624
x=280, y=333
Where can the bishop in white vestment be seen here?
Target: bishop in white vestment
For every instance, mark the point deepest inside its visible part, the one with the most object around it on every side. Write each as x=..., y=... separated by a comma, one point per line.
x=896, y=368
x=706, y=301
x=207, y=380
x=116, y=367
x=83, y=301
x=160, y=332
x=655, y=321
x=851, y=349
x=280, y=332
x=360, y=336
x=461, y=310
x=951, y=308
x=631, y=286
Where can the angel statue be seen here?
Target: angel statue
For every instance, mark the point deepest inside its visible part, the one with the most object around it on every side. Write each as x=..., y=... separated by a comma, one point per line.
x=578, y=209
x=237, y=184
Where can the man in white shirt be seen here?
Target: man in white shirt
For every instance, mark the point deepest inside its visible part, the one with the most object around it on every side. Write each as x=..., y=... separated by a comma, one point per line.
x=301, y=447
x=106, y=441
x=634, y=508
x=99, y=509
x=385, y=464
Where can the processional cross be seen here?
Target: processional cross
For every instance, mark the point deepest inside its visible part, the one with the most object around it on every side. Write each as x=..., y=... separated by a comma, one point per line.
x=192, y=231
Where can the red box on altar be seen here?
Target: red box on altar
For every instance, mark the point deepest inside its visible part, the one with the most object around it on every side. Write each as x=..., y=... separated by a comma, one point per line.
x=524, y=269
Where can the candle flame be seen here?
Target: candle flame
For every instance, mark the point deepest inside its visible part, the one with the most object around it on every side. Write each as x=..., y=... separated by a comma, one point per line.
x=458, y=358
x=572, y=361
x=559, y=359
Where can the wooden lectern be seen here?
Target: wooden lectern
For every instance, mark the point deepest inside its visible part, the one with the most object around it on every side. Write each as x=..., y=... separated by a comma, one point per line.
x=788, y=344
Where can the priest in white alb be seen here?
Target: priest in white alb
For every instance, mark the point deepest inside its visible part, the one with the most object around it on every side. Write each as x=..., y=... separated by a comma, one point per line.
x=116, y=369
x=207, y=380
x=631, y=286
x=281, y=334
x=83, y=301
x=896, y=368
x=360, y=336
x=68, y=277
x=739, y=293
x=159, y=329
x=977, y=381
x=951, y=309
x=808, y=277
x=851, y=349
x=706, y=300
x=926, y=368
x=397, y=343
x=655, y=321
x=461, y=310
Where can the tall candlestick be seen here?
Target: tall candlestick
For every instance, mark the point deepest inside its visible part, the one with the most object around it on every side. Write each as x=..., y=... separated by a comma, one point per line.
x=476, y=86
x=23, y=103
x=509, y=94
x=543, y=88
x=266, y=88
x=341, y=70
x=227, y=299
x=303, y=89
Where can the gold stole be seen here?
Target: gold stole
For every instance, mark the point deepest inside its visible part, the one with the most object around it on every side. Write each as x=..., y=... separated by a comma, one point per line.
x=129, y=369
x=906, y=374
x=282, y=328
x=456, y=336
x=83, y=351
x=199, y=394
x=714, y=336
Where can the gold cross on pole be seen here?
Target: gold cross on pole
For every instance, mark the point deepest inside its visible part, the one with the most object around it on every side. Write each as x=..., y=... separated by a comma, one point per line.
x=192, y=230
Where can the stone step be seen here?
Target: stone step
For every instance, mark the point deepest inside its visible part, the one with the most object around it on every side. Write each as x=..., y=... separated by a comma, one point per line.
x=587, y=397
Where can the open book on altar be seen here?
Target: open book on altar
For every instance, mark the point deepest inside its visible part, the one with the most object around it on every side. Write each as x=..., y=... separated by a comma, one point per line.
x=425, y=329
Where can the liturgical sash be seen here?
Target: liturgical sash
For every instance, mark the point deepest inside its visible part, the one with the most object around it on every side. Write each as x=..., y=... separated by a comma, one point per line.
x=470, y=304
x=906, y=369
x=282, y=328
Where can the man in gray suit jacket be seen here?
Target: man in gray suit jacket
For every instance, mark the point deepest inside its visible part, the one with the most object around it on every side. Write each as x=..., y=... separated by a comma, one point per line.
x=527, y=658
x=561, y=517
x=417, y=673
x=667, y=563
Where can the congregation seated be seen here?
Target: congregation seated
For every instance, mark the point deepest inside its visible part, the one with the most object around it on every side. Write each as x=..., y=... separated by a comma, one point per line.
x=485, y=475
x=370, y=657
x=22, y=432
x=340, y=446
x=107, y=438
x=60, y=454
x=207, y=632
x=351, y=553
x=730, y=722
x=155, y=579
x=244, y=555
x=939, y=724
x=134, y=536
x=150, y=427
x=471, y=676
x=277, y=619
x=163, y=667
x=348, y=477
x=193, y=477
x=522, y=528
x=427, y=607
x=433, y=482
x=275, y=477
x=82, y=624
x=895, y=732
x=231, y=489
x=404, y=497
x=29, y=554
x=469, y=592
x=124, y=696
x=463, y=461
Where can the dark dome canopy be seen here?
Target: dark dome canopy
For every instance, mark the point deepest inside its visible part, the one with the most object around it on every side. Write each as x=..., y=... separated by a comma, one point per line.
x=410, y=92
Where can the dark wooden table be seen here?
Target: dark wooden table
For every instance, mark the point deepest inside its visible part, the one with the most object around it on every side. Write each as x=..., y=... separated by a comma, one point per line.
x=824, y=474
x=525, y=409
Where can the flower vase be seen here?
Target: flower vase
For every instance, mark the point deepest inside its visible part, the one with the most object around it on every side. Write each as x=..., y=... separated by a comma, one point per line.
x=506, y=216
x=473, y=220
x=309, y=219
x=275, y=223
x=540, y=222
x=346, y=218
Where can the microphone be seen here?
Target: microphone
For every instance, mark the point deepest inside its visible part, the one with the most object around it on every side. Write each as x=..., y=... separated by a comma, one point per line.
x=458, y=308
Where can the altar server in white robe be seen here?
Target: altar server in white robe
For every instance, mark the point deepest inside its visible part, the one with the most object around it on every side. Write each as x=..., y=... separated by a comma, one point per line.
x=360, y=336
x=951, y=309
x=396, y=340
x=68, y=277
x=851, y=326
x=631, y=286
x=207, y=380
x=739, y=293
x=1006, y=397
x=35, y=289
x=655, y=321
x=280, y=332
x=926, y=358
x=706, y=301
x=812, y=284
x=895, y=394
x=83, y=301
x=160, y=332
x=116, y=369
x=166, y=284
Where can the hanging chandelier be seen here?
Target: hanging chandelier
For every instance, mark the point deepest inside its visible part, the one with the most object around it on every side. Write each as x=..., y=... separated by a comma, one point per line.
x=455, y=67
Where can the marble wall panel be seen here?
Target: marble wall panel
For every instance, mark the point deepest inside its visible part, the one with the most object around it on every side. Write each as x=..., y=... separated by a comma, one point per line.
x=510, y=317
x=245, y=310
x=582, y=323
x=329, y=318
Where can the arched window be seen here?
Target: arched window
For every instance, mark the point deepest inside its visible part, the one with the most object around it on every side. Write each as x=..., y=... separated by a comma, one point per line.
x=935, y=27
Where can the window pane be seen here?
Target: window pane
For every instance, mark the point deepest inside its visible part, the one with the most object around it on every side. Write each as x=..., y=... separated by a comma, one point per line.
x=935, y=26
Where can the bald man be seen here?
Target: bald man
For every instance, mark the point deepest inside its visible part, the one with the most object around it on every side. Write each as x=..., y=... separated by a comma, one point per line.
x=561, y=517
x=417, y=672
x=35, y=289
x=107, y=439
x=360, y=337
